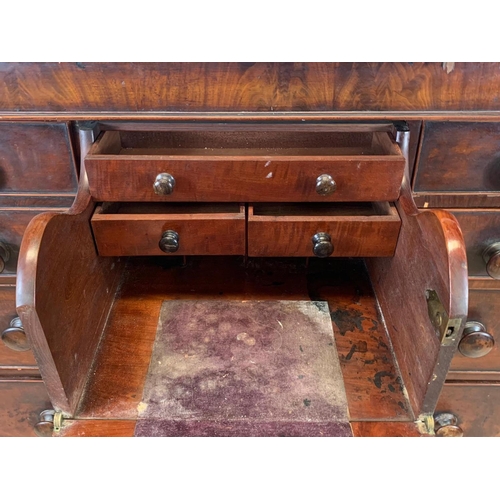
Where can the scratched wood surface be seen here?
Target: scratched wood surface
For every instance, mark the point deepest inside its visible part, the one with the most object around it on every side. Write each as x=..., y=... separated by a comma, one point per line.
x=373, y=384
x=137, y=87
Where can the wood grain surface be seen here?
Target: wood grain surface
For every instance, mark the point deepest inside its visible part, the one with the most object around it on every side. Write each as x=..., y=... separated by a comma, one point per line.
x=147, y=87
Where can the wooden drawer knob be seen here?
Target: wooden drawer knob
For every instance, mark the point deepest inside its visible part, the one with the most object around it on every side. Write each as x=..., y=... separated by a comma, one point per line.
x=45, y=425
x=492, y=258
x=14, y=337
x=322, y=245
x=325, y=185
x=164, y=184
x=446, y=425
x=4, y=256
x=475, y=342
x=169, y=242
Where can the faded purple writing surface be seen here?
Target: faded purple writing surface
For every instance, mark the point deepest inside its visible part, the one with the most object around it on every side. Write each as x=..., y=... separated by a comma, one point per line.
x=244, y=368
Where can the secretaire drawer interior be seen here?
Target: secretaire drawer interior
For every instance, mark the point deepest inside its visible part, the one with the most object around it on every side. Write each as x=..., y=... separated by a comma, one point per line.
x=323, y=229
x=128, y=229
x=245, y=166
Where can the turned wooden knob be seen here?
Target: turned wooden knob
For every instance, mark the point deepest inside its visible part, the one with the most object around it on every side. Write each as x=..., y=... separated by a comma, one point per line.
x=475, y=342
x=446, y=425
x=4, y=256
x=325, y=185
x=14, y=337
x=169, y=242
x=164, y=184
x=322, y=245
x=492, y=258
x=45, y=425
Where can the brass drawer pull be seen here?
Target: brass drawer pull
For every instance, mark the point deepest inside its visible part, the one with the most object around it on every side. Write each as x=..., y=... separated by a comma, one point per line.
x=325, y=185
x=164, y=184
x=169, y=242
x=14, y=337
x=475, y=342
x=492, y=258
x=322, y=245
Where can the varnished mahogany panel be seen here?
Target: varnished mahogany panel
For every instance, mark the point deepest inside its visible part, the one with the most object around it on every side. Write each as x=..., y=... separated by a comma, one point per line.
x=385, y=429
x=96, y=428
x=475, y=406
x=143, y=87
x=218, y=231
x=484, y=307
x=36, y=157
x=461, y=156
x=13, y=223
x=8, y=357
x=20, y=404
x=356, y=231
x=480, y=228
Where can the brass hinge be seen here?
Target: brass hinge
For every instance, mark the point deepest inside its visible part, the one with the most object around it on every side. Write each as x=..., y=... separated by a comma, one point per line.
x=425, y=424
x=446, y=328
x=58, y=419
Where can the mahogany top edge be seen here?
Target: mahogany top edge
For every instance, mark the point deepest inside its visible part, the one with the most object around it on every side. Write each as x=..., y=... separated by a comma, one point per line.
x=103, y=117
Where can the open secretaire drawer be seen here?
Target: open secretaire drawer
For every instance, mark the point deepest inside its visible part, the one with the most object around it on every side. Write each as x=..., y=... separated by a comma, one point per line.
x=396, y=298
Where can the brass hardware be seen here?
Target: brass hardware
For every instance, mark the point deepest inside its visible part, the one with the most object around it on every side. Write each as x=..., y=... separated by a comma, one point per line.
x=475, y=342
x=45, y=425
x=4, y=256
x=446, y=425
x=164, y=184
x=14, y=337
x=325, y=185
x=50, y=421
x=169, y=242
x=492, y=258
x=446, y=328
x=322, y=245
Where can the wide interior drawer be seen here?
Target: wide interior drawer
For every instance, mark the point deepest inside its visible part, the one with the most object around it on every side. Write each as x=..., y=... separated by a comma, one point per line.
x=245, y=166
x=323, y=230
x=123, y=229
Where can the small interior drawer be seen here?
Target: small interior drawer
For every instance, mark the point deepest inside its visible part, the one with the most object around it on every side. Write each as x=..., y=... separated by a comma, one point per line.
x=352, y=230
x=245, y=166
x=128, y=229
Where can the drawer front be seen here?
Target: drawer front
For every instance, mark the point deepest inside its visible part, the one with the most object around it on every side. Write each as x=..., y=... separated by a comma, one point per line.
x=126, y=234
x=484, y=307
x=9, y=357
x=244, y=180
x=459, y=157
x=271, y=232
x=36, y=158
x=12, y=226
x=20, y=405
x=476, y=406
x=481, y=228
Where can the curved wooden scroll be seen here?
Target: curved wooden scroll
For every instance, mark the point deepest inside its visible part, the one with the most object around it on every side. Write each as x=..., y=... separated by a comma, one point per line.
x=430, y=257
x=64, y=294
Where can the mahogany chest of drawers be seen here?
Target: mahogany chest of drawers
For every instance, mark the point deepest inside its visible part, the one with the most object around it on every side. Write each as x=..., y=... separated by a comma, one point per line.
x=291, y=203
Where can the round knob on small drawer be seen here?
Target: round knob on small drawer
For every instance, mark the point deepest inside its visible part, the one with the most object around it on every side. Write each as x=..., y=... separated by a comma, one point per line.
x=492, y=258
x=14, y=337
x=475, y=342
x=446, y=425
x=325, y=185
x=322, y=245
x=169, y=242
x=164, y=184
x=4, y=256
